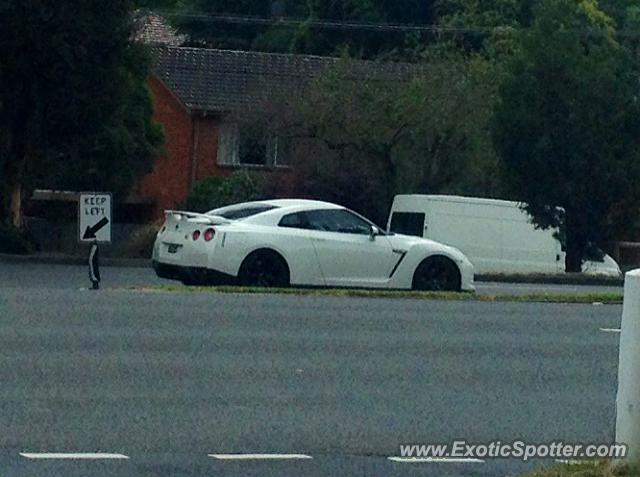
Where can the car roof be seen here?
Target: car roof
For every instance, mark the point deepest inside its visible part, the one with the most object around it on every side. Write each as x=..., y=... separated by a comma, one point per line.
x=299, y=203
x=278, y=206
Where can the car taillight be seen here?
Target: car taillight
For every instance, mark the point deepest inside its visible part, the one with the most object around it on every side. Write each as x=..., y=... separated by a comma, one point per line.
x=209, y=234
x=195, y=235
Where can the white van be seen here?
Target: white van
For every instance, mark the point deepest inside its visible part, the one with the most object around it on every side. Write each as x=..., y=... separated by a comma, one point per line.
x=496, y=235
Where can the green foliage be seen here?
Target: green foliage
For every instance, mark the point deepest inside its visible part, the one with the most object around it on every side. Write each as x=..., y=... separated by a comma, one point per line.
x=484, y=24
x=568, y=123
x=214, y=192
x=140, y=243
x=124, y=148
x=382, y=136
x=74, y=108
x=306, y=37
x=15, y=241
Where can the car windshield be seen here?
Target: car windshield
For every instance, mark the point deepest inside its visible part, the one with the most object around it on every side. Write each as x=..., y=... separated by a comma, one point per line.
x=237, y=213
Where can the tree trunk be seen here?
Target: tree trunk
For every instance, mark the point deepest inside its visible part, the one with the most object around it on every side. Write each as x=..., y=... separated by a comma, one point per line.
x=573, y=260
x=391, y=173
x=575, y=245
x=15, y=175
x=15, y=204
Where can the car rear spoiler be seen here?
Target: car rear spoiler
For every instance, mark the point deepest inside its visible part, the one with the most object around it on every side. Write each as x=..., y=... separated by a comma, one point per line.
x=178, y=215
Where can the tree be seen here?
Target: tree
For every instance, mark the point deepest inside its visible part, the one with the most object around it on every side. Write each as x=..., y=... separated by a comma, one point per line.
x=567, y=126
x=195, y=18
x=121, y=150
x=361, y=43
x=313, y=34
x=487, y=26
x=219, y=191
x=366, y=132
x=74, y=108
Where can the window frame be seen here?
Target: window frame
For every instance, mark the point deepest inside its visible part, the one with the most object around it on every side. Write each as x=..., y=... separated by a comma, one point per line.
x=229, y=146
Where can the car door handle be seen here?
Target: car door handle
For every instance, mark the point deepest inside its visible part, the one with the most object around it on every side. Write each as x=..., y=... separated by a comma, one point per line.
x=316, y=239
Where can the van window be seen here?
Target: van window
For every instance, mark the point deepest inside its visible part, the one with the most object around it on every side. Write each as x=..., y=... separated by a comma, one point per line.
x=408, y=223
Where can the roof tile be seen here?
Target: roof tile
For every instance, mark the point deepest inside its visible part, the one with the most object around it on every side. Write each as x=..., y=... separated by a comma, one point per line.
x=226, y=81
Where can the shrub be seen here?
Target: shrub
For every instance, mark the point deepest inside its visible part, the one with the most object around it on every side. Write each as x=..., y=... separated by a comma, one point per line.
x=13, y=240
x=214, y=192
x=140, y=243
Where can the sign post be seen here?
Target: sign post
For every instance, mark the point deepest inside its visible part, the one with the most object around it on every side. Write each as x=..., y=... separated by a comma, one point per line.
x=94, y=227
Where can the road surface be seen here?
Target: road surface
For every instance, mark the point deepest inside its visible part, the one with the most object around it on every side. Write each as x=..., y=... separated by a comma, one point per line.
x=167, y=379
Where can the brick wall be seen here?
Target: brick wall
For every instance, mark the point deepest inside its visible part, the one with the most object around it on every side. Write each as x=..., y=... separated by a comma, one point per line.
x=191, y=154
x=207, y=149
x=168, y=184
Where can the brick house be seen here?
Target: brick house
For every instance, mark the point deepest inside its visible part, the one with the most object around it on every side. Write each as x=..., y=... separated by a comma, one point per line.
x=197, y=93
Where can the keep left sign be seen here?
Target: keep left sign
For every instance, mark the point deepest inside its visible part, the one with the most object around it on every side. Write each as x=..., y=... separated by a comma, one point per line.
x=94, y=217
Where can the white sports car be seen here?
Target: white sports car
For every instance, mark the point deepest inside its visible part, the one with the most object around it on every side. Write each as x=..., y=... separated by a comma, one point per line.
x=301, y=242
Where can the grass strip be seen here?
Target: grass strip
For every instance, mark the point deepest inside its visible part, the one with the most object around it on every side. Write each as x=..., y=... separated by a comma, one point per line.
x=591, y=298
x=587, y=469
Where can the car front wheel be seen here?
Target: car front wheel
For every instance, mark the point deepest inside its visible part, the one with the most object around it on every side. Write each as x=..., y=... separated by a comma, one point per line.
x=437, y=274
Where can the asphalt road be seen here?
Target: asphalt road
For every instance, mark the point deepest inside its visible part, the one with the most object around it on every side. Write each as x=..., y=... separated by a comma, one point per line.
x=167, y=379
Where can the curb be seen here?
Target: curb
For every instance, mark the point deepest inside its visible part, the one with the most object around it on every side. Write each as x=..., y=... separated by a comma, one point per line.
x=43, y=259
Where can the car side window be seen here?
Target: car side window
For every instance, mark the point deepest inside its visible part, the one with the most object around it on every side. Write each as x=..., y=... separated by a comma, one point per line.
x=297, y=220
x=337, y=220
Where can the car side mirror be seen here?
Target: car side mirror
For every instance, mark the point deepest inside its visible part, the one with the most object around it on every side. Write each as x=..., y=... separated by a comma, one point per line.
x=373, y=232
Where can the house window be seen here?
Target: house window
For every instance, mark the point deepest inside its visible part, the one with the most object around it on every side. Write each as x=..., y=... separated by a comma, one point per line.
x=242, y=148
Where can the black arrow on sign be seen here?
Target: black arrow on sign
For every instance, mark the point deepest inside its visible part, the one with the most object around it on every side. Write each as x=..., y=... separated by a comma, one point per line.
x=91, y=232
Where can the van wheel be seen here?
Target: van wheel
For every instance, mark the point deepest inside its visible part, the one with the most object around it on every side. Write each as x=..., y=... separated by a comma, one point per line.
x=436, y=273
x=264, y=268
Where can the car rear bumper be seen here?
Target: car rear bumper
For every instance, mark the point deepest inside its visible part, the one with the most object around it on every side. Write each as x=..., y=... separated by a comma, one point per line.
x=200, y=275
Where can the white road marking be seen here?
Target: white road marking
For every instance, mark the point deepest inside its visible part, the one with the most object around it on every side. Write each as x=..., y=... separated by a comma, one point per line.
x=60, y=455
x=610, y=330
x=436, y=460
x=259, y=456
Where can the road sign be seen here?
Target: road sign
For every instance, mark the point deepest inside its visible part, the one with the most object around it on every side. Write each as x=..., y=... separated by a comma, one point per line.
x=94, y=217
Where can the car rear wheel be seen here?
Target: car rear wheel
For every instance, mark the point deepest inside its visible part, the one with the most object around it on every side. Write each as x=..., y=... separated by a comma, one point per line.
x=264, y=268
x=437, y=274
